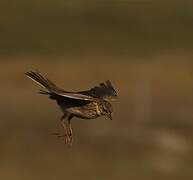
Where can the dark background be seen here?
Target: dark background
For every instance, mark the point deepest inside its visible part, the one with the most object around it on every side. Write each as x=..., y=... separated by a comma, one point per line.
x=144, y=47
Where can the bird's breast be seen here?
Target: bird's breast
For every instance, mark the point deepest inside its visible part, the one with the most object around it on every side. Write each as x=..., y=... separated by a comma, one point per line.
x=88, y=111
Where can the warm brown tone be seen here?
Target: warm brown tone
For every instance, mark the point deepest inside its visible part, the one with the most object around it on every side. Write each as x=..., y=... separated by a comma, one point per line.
x=87, y=104
x=145, y=47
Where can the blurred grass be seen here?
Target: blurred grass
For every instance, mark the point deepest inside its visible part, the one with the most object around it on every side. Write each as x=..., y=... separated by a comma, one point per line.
x=150, y=136
x=105, y=27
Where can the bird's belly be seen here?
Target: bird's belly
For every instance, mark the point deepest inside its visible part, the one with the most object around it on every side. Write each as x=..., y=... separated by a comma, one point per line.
x=89, y=111
x=87, y=116
x=84, y=114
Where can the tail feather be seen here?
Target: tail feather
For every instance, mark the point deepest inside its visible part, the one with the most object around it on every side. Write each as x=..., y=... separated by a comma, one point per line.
x=44, y=92
x=50, y=94
x=43, y=81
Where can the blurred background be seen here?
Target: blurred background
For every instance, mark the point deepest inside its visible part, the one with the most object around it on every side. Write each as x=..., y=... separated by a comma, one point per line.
x=144, y=47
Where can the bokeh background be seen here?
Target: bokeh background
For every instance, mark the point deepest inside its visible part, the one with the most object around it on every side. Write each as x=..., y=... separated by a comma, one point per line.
x=143, y=46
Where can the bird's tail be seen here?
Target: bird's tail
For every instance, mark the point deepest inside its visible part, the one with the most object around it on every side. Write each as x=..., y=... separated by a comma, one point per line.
x=42, y=81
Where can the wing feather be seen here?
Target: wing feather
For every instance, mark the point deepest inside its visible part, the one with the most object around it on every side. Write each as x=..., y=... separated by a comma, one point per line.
x=105, y=91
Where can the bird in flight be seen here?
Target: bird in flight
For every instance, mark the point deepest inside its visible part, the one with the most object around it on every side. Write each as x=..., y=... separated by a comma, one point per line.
x=88, y=104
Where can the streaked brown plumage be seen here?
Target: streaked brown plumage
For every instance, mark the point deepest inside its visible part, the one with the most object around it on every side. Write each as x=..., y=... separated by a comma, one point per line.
x=87, y=104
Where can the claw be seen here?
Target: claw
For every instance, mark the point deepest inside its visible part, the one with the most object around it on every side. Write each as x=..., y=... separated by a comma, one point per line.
x=68, y=139
x=71, y=141
x=59, y=135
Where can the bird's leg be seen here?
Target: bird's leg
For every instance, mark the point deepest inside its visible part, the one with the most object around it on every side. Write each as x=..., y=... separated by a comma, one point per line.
x=70, y=129
x=61, y=119
x=64, y=125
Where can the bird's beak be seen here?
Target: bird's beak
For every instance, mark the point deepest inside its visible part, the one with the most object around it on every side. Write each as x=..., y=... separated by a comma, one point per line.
x=109, y=116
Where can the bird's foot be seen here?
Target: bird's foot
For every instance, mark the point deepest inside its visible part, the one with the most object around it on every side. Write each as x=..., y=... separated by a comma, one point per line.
x=58, y=135
x=68, y=139
x=71, y=139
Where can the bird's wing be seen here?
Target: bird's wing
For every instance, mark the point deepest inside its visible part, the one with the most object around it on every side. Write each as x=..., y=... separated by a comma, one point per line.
x=104, y=90
x=75, y=96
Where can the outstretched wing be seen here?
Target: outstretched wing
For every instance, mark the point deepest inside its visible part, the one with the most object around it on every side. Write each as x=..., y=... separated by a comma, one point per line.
x=104, y=91
x=52, y=89
x=75, y=96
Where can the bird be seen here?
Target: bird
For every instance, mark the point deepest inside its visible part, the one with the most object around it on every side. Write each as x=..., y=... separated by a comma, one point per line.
x=87, y=104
